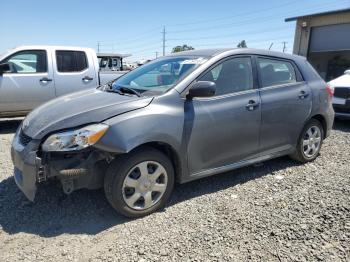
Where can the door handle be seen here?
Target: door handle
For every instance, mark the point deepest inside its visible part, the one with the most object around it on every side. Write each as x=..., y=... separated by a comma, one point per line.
x=252, y=105
x=303, y=94
x=45, y=80
x=87, y=78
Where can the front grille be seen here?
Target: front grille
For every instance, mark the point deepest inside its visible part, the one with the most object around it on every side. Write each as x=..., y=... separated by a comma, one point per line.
x=23, y=138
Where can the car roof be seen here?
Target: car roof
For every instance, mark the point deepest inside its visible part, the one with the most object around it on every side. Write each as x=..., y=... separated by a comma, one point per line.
x=235, y=51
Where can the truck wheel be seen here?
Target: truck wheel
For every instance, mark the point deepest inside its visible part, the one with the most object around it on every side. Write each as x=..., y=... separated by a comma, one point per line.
x=139, y=183
x=310, y=142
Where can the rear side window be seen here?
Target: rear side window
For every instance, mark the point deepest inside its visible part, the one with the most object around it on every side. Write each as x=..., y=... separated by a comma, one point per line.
x=71, y=61
x=29, y=61
x=276, y=72
x=103, y=62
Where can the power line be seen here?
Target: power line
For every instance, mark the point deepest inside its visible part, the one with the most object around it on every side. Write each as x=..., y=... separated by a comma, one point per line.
x=244, y=22
x=259, y=31
x=139, y=37
x=284, y=46
x=230, y=17
x=149, y=44
x=231, y=43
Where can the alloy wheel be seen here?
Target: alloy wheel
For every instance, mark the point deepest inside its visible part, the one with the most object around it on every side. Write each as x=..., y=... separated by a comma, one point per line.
x=312, y=141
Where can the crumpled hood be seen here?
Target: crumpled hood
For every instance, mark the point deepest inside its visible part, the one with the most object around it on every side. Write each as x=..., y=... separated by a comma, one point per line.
x=78, y=109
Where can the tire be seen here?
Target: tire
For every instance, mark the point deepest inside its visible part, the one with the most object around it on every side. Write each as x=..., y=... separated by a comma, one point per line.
x=124, y=171
x=300, y=154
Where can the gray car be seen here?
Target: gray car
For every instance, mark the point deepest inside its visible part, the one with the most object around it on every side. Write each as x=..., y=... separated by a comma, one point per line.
x=176, y=119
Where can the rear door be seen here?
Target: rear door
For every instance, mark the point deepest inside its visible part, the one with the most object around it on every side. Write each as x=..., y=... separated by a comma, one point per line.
x=29, y=83
x=74, y=71
x=286, y=103
x=224, y=129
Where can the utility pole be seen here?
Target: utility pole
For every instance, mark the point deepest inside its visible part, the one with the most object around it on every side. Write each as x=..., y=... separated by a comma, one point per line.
x=271, y=46
x=284, y=46
x=98, y=47
x=163, y=40
x=156, y=54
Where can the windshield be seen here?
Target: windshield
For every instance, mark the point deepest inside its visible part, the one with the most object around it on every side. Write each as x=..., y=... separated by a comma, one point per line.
x=158, y=76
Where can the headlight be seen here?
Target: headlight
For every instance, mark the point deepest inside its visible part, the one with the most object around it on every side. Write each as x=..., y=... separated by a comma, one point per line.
x=75, y=139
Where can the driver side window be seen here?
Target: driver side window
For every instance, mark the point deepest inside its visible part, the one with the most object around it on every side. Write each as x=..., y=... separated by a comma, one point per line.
x=31, y=61
x=231, y=76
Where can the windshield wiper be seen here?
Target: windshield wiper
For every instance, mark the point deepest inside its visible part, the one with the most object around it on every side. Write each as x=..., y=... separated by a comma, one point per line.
x=129, y=90
x=111, y=90
x=121, y=90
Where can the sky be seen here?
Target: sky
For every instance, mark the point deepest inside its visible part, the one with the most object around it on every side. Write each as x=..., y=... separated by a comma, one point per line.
x=135, y=26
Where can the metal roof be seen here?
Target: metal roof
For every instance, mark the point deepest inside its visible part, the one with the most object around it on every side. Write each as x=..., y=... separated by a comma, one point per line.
x=318, y=14
x=112, y=55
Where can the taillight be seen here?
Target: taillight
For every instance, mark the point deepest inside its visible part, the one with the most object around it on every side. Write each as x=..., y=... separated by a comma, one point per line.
x=330, y=90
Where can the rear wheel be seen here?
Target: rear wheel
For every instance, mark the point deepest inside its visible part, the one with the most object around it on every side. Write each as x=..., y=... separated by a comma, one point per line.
x=140, y=183
x=310, y=142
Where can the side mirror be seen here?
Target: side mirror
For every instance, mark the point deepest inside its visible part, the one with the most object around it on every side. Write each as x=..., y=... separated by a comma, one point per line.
x=4, y=68
x=202, y=89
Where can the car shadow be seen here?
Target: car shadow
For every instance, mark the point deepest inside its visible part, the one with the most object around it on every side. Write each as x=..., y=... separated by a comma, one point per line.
x=226, y=180
x=9, y=125
x=88, y=212
x=54, y=213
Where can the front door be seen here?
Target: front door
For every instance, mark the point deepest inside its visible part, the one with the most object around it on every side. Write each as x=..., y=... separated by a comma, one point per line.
x=224, y=129
x=28, y=84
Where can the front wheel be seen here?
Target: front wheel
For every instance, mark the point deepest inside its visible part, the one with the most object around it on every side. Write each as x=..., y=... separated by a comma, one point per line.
x=310, y=142
x=139, y=183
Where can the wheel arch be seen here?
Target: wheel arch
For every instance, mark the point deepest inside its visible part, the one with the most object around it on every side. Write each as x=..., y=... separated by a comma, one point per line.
x=323, y=122
x=169, y=151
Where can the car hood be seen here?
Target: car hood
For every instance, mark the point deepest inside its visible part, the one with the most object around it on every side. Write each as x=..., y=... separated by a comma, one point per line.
x=77, y=109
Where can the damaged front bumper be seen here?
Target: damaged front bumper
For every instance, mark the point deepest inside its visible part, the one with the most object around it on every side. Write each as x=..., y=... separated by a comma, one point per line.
x=26, y=166
x=76, y=170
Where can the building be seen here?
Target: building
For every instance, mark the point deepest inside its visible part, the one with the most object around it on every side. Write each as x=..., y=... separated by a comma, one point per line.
x=324, y=38
x=111, y=61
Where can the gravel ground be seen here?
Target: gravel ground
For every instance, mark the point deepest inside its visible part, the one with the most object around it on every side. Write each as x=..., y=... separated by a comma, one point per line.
x=278, y=211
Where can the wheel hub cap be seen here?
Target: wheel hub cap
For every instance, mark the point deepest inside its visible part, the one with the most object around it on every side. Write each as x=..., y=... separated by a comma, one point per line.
x=312, y=141
x=144, y=185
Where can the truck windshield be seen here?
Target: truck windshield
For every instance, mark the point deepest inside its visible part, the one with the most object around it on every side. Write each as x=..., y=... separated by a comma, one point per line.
x=159, y=76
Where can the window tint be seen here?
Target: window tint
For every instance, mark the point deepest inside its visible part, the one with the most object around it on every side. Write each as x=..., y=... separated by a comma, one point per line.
x=103, y=62
x=276, y=72
x=233, y=75
x=33, y=61
x=71, y=61
x=115, y=62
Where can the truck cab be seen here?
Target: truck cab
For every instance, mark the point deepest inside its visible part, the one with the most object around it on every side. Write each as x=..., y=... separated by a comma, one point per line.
x=32, y=75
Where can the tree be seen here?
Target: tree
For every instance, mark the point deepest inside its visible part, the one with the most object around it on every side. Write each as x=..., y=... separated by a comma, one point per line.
x=242, y=44
x=180, y=48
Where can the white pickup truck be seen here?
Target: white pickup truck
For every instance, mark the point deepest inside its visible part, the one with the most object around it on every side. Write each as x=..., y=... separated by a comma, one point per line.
x=32, y=75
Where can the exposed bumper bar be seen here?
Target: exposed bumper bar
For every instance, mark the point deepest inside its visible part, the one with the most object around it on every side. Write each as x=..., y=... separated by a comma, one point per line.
x=26, y=165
